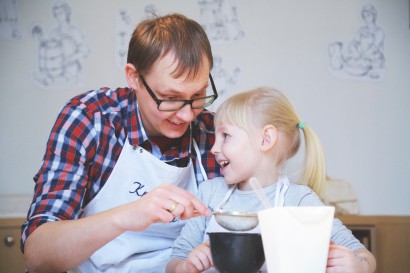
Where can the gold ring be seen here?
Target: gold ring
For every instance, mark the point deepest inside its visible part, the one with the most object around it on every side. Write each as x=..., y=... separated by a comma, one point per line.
x=174, y=206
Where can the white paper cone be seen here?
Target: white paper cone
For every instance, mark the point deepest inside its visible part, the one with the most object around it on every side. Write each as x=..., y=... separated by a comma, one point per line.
x=296, y=239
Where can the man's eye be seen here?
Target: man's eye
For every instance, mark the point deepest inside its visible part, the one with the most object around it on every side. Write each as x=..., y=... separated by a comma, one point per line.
x=170, y=98
x=200, y=95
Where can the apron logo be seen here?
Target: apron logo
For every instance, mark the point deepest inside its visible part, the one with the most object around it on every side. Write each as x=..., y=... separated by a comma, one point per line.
x=139, y=188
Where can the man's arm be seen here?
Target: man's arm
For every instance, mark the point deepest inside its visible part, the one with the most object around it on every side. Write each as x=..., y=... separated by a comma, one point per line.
x=61, y=245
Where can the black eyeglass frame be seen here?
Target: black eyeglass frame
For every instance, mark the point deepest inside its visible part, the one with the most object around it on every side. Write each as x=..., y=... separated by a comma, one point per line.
x=158, y=101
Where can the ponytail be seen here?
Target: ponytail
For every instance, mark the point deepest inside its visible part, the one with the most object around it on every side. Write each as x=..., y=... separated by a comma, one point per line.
x=314, y=173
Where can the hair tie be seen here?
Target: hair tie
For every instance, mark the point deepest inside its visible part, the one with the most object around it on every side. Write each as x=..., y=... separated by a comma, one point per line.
x=301, y=124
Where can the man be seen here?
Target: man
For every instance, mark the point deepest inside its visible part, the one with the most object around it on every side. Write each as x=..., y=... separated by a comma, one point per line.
x=122, y=166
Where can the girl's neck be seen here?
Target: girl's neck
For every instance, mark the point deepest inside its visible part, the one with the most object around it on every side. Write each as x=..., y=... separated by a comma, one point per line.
x=264, y=181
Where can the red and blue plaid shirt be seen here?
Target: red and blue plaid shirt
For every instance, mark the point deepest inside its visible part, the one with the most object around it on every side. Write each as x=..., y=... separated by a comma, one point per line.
x=84, y=145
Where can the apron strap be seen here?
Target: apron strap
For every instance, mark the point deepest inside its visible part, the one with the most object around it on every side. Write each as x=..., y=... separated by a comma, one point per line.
x=281, y=188
x=198, y=154
x=227, y=195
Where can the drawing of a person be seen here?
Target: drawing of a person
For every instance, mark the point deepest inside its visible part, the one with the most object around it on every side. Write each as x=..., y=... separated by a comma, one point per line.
x=224, y=78
x=220, y=20
x=150, y=11
x=363, y=56
x=124, y=32
x=61, y=54
x=9, y=20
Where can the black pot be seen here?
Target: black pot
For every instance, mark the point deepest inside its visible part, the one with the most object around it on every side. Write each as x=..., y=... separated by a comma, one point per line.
x=236, y=252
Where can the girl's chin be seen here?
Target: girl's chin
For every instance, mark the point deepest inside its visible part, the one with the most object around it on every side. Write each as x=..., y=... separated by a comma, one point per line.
x=231, y=180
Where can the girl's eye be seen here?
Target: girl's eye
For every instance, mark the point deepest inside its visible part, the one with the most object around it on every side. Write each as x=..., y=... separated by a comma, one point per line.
x=225, y=135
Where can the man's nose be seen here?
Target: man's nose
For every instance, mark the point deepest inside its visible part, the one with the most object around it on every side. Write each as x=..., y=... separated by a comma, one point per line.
x=186, y=113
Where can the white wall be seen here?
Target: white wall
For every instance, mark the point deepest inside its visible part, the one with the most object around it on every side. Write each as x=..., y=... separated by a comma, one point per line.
x=364, y=124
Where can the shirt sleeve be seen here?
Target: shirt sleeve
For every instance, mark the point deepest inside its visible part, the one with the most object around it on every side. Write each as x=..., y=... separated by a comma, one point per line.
x=61, y=181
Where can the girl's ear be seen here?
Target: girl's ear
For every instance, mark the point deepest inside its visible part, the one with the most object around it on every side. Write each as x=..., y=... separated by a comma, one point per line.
x=131, y=76
x=269, y=137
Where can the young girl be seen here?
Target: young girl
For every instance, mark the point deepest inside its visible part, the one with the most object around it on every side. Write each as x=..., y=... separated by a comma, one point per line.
x=256, y=133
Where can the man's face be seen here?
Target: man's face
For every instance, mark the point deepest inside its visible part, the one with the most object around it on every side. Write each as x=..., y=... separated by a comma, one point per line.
x=164, y=86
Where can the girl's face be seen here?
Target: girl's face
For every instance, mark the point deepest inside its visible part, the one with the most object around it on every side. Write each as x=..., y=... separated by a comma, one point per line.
x=235, y=152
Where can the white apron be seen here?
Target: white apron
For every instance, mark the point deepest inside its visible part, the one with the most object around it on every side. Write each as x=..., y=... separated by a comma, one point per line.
x=213, y=226
x=136, y=173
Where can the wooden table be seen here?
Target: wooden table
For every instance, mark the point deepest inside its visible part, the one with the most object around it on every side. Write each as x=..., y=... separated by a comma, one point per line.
x=388, y=237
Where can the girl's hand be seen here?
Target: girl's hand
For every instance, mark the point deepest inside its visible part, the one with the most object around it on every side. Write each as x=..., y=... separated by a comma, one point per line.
x=199, y=259
x=343, y=260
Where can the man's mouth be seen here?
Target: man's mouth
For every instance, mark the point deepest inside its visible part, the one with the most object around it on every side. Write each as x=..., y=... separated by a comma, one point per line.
x=176, y=123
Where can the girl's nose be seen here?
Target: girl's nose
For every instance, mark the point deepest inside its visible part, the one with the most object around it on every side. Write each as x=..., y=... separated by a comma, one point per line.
x=215, y=150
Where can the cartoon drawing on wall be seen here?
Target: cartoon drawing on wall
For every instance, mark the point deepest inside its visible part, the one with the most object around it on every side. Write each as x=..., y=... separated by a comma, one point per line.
x=362, y=57
x=62, y=51
x=125, y=27
x=9, y=20
x=150, y=11
x=124, y=32
x=220, y=20
x=225, y=80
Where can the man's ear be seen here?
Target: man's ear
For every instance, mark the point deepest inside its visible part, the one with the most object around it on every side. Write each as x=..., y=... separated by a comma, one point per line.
x=131, y=76
x=269, y=137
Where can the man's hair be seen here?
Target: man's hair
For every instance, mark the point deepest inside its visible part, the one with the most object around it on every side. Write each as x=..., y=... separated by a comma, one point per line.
x=175, y=33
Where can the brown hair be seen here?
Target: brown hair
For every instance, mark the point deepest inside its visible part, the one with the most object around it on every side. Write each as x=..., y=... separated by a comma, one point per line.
x=185, y=38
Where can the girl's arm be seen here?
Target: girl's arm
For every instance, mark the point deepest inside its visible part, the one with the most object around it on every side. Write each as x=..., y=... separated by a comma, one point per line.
x=342, y=259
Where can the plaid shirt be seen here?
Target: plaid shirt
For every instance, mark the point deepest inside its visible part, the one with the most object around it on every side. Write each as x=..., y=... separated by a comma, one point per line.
x=84, y=145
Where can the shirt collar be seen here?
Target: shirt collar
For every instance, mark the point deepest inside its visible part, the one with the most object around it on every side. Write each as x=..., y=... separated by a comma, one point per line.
x=137, y=135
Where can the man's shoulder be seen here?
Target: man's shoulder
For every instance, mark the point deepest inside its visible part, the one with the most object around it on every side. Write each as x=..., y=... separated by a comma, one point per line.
x=205, y=121
x=104, y=100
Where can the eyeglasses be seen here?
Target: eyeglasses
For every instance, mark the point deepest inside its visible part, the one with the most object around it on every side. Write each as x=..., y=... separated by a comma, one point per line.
x=175, y=105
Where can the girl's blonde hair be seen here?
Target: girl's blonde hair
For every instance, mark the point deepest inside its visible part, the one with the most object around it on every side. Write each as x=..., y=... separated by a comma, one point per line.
x=267, y=106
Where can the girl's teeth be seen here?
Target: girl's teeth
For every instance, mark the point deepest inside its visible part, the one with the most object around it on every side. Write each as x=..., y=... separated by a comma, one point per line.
x=224, y=163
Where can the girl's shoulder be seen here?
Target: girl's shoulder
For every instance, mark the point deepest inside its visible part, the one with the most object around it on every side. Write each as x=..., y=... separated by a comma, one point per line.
x=212, y=190
x=213, y=185
x=301, y=195
x=299, y=189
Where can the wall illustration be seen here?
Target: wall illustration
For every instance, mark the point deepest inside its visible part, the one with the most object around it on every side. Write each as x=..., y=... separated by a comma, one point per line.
x=225, y=80
x=220, y=20
x=363, y=56
x=150, y=11
x=9, y=20
x=124, y=31
x=125, y=26
x=61, y=52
